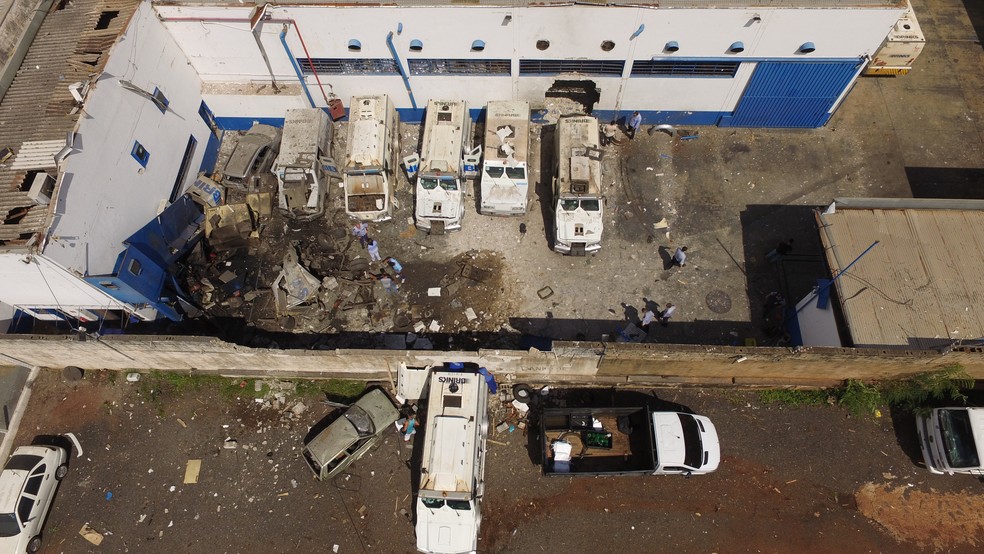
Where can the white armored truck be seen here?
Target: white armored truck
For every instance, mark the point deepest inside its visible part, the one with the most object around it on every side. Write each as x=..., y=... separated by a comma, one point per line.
x=505, y=179
x=440, y=203
x=578, y=202
x=302, y=178
x=370, y=161
x=452, y=472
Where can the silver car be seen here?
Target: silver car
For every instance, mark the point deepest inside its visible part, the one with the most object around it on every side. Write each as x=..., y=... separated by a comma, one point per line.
x=27, y=486
x=252, y=156
x=350, y=436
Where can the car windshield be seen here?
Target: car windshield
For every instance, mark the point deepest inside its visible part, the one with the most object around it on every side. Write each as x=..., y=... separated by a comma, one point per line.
x=460, y=505
x=958, y=438
x=9, y=526
x=23, y=462
x=516, y=172
x=449, y=184
x=586, y=204
x=590, y=204
x=494, y=172
x=694, y=455
x=361, y=420
x=433, y=503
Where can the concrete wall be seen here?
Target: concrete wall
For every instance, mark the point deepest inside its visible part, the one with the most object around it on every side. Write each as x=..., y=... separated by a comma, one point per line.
x=658, y=364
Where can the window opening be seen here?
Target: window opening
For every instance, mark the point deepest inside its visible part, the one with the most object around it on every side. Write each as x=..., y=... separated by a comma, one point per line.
x=140, y=154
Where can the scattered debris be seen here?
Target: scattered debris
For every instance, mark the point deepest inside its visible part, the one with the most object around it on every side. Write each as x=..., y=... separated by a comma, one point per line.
x=91, y=535
x=192, y=470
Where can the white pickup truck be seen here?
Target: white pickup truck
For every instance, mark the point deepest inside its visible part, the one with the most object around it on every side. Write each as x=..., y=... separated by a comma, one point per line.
x=952, y=440
x=627, y=441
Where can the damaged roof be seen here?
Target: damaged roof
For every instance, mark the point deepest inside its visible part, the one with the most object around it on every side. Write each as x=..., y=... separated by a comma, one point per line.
x=922, y=285
x=36, y=114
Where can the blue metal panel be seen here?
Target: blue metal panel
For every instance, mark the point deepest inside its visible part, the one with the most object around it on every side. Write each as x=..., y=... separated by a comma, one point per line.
x=792, y=94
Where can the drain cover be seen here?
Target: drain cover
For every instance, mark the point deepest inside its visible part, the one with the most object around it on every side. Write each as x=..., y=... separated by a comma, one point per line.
x=718, y=301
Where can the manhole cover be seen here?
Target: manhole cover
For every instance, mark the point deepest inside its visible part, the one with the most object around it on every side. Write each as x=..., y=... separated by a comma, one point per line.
x=718, y=301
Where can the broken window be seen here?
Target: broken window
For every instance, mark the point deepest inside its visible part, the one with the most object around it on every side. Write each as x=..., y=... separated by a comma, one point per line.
x=351, y=66
x=584, y=67
x=140, y=153
x=646, y=68
x=459, y=67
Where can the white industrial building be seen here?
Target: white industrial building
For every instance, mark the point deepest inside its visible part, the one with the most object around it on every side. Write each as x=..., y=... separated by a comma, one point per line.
x=149, y=118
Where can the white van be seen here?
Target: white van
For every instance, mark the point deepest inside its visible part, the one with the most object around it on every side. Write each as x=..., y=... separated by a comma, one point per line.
x=505, y=173
x=440, y=202
x=373, y=144
x=452, y=472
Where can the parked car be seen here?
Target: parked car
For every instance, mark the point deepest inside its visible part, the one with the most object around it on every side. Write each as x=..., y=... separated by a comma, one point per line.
x=351, y=435
x=252, y=156
x=952, y=440
x=27, y=486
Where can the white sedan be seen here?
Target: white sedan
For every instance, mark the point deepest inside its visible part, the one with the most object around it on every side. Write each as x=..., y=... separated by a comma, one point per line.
x=27, y=486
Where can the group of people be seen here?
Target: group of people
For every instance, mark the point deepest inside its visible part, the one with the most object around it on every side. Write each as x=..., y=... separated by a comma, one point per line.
x=610, y=130
x=393, y=278
x=663, y=316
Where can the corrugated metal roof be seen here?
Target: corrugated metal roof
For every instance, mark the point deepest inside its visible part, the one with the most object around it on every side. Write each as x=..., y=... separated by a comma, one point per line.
x=922, y=286
x=68, y=48
x=37, y=154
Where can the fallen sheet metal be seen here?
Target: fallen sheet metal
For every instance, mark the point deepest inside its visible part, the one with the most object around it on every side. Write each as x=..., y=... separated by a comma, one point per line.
x=207, y=192
x=295, y=285
x=228, y=227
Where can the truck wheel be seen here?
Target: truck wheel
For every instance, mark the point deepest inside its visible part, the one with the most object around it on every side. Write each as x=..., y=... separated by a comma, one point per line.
x=61, y=472
x=35, y=544
x=522, y=393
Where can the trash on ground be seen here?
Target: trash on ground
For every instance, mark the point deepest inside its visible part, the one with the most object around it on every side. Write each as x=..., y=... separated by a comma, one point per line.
x=91, y=535
x=192, y=470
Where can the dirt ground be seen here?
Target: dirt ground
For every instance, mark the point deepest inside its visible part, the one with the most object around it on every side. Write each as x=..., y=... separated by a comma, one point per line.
x=805, y=479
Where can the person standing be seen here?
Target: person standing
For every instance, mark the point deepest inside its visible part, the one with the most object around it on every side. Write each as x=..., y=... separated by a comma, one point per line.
x=407, y=426
x=680, y=256
x=648, y=317
x=781, y=249
x=635, y=122
x=373, y=248
x=361, y=232
x=608, y=131
x=665, y=315
x=397, y=267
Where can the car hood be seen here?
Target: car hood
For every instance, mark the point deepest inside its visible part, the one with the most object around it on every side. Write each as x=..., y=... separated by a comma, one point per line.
x=445, y=533
x=451, y=203
x=591, y=222
x=17, y=543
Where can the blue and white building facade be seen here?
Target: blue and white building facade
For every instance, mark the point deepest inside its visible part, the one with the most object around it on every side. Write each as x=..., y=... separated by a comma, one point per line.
x=764, y=63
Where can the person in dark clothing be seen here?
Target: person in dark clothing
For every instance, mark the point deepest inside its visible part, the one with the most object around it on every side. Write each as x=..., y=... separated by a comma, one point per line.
x=783, y=248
